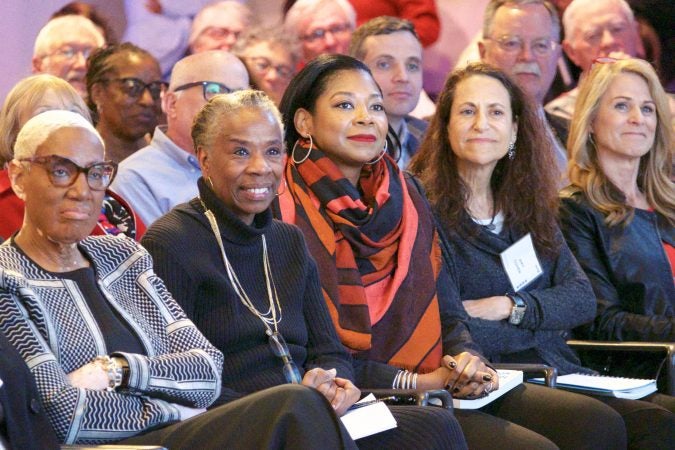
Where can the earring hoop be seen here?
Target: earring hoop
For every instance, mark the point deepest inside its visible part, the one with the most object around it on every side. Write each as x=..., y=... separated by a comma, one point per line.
x=210, y=183
x=384, y=150
x=279, y=194
x=512, y=150
x=311, y=145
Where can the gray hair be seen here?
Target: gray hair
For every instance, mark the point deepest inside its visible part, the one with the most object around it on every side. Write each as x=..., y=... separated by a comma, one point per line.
x=494, y=5
x=306, y=8
x=37, y=130
x=275, y=35
x=63, y=27
x=575, y=13
x=207, y=125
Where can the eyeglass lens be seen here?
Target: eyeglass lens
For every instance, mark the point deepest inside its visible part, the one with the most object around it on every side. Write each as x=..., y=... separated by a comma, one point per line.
x=135, y=87
x=63, y=172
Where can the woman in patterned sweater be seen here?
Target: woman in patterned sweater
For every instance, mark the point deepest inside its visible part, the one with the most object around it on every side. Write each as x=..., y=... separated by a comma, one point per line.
x=113, y=355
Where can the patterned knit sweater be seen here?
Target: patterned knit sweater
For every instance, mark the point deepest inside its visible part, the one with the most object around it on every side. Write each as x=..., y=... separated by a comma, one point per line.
x=47, y=319
x=186, y=255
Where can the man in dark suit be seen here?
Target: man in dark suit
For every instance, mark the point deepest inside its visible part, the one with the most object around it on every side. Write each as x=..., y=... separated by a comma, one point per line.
x=390, y=47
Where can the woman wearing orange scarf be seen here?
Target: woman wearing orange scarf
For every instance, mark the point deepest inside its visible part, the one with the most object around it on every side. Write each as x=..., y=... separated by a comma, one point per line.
x=372, y=235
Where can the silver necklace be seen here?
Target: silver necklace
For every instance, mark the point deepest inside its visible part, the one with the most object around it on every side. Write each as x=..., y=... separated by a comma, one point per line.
x=269, y=318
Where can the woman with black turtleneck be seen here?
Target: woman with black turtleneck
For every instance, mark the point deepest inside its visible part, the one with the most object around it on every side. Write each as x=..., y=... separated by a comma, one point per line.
x=247, y=281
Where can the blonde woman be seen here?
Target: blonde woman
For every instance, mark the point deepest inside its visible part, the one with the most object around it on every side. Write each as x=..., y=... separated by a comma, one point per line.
x=618, y=214
x=619, y=211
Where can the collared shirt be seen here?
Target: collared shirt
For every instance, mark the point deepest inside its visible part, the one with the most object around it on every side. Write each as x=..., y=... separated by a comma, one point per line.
x=157, y=177
x=563, y=105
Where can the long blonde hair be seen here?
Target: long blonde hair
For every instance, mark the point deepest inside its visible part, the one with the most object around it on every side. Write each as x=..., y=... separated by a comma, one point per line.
x=24, y=97
x=655, y=172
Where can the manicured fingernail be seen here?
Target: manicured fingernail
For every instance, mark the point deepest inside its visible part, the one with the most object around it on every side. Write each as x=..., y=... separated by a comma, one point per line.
x=452, y=364
x=487, y=377
x=455, y=390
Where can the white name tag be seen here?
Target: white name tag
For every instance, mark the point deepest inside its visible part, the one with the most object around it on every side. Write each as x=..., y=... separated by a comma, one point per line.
x=521, y=263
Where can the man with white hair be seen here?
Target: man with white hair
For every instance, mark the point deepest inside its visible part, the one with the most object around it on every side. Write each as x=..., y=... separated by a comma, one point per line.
x=321, y=26
x=522, y=38
x=62, y=47
x=595, y=29
x=163, y=174
x=218, y=26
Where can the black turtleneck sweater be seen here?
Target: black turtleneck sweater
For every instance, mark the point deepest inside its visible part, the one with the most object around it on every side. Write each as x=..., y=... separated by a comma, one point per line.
x=186, y=256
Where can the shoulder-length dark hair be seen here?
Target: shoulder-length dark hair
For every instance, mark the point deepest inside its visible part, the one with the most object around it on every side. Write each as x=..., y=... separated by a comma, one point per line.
x=308, y=85
x=524, y=189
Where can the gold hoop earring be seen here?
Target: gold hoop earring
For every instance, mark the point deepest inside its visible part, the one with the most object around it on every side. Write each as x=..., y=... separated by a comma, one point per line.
x=283, y=181
x=384, y=150
x=210, y=183
x=311, y=145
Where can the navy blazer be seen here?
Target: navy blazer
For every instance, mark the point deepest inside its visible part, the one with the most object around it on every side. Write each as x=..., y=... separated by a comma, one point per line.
x=26, y=424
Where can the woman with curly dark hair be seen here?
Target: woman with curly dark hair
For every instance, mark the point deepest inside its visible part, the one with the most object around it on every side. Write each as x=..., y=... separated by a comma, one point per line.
x=489, y=175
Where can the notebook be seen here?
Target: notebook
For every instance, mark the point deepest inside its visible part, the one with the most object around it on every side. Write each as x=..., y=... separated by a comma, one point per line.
x=508, y=379
x=368, y=420
x=632, y=388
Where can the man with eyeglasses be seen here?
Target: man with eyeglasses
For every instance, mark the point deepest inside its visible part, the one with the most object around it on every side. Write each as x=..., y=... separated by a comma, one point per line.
x=522, y=38
x=322, y=26
x=218, y=26
x=62, y=47
x=163, y=174
x=595, y=29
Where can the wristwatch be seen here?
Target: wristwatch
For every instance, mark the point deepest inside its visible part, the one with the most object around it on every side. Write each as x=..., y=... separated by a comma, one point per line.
x=518, y=310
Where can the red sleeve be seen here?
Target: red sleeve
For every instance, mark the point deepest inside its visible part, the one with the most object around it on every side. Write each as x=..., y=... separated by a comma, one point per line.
x=422, y=13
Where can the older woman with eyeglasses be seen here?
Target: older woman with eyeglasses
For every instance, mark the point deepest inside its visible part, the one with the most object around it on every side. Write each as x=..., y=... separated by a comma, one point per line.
x=114, y=357
x=271, y=57
x=248, y=281
x=124, y=89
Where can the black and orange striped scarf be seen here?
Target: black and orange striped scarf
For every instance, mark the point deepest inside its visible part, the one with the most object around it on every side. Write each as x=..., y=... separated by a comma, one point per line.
x=377, y=255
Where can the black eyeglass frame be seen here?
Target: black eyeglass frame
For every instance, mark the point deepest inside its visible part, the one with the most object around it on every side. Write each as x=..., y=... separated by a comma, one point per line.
x=204, y=84
x=137, y=91
x=43, y=161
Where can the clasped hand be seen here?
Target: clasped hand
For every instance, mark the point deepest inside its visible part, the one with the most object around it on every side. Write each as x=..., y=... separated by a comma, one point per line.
x=340, y=392
x=465, y=376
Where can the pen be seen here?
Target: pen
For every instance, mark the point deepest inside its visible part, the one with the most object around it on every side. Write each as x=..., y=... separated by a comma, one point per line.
x=370, y=402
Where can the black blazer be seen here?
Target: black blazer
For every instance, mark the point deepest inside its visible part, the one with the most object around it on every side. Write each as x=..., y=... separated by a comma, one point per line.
x=25, y=423
x=628, y=268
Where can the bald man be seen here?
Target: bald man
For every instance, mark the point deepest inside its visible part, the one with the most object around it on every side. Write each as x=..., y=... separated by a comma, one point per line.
x=163, y=174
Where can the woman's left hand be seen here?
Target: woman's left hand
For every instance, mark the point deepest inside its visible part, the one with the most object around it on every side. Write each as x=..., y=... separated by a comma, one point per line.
x=489, y=308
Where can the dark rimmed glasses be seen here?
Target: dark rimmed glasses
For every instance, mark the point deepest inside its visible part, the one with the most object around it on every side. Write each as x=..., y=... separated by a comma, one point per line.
x=320, y=33
x=63, y=172
x=209, y=88
x=280, y=349
x=134, y=88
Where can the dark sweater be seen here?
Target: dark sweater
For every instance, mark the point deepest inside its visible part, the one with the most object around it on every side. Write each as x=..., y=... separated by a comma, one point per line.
x=557, y=301
x=187, y=256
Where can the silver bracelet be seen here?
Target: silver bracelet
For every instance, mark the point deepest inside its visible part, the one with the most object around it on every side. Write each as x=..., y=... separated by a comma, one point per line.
x=397, y=380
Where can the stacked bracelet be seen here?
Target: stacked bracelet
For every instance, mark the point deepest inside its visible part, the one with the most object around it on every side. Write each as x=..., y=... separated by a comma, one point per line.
x=405, y=379
x=114, y=371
